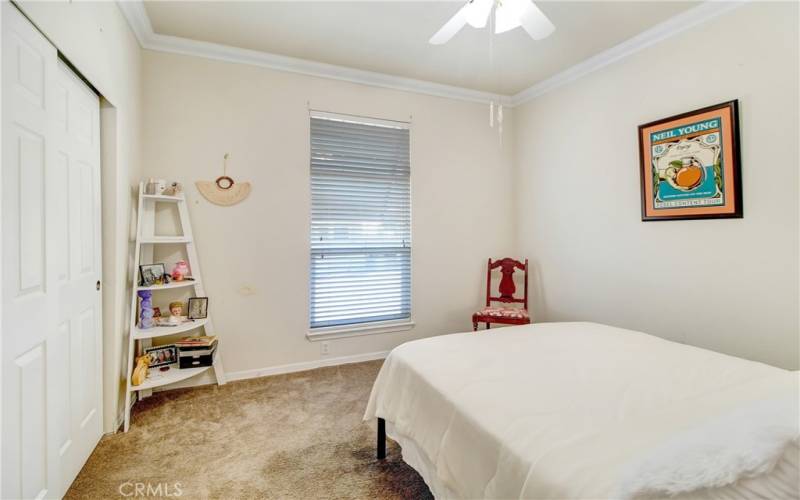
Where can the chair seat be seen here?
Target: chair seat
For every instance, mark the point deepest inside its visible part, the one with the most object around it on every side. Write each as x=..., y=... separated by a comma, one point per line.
x=503, y=312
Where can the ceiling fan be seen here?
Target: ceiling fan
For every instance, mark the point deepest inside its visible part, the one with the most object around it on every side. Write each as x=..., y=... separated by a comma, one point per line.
x=508, y=14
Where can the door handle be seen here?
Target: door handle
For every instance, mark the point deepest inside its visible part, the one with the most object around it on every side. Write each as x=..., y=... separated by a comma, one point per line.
x=97, y=285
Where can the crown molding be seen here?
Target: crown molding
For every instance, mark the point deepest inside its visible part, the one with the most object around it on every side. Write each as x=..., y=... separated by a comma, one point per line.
x=137, y=17
x=177, y=45
x=669, y=28
x=138, y=20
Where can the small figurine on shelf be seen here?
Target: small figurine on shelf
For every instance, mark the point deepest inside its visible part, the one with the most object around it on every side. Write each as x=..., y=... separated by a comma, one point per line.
x=146, y=314
x=180, y=271
x=140, y=372
x=175, y=313
x=173, y=189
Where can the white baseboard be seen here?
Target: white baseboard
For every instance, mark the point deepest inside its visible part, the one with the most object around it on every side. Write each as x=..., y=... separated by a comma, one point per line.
x=304, y=365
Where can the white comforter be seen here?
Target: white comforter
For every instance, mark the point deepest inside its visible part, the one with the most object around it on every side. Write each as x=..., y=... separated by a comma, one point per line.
x=574, y=410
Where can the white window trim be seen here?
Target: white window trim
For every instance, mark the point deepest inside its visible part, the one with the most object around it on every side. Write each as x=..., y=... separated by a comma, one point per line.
x=358, y=330
x=376, y=327
x=362, y=120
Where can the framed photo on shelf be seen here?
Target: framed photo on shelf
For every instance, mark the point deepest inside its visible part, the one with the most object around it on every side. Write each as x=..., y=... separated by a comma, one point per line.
x=198, y=308
x=152, y=274
x=162, y=355
x=690, y=166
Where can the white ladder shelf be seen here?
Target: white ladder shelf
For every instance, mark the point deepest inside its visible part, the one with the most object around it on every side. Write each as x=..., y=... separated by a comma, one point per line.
x=139, y=339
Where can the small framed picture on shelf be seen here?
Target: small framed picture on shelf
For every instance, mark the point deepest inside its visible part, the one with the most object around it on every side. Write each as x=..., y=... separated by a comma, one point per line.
x=152, y=274
x=198, y=308
x=162, y=355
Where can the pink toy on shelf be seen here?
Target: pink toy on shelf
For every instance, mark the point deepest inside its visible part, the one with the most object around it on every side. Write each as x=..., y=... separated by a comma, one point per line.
x=180, y=271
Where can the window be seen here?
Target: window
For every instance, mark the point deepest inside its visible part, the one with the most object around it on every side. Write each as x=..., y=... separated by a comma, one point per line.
x=360, y=221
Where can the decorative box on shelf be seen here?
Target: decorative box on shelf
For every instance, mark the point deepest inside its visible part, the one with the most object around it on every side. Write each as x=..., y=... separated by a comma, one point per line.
x=193, y=357
x=196, y=351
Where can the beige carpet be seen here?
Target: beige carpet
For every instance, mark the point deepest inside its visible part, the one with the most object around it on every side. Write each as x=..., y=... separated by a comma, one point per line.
x=288, y=436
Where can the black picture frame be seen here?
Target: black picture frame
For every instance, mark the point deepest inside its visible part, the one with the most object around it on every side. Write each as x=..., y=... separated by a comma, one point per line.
x=730, y=153
x=170, y=355
x=152, y=274
x=197, y=308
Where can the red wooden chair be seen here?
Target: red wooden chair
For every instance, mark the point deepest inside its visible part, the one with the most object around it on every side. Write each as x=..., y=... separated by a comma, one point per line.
x=504, y=315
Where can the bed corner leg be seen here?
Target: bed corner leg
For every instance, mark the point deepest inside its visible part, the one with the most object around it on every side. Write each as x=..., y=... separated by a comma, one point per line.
x=381, y=445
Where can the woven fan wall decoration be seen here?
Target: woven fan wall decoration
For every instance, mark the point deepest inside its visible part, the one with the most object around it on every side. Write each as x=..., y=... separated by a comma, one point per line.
x=224, y=191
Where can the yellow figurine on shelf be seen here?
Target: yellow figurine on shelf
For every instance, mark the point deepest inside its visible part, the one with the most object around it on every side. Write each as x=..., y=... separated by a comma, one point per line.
x=140, y=372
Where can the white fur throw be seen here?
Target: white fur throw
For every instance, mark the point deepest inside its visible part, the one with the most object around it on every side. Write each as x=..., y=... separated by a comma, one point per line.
x=742, y=444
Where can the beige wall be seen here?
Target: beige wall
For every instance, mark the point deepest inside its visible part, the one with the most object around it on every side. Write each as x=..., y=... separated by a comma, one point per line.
x=255, y=255
x=96, y=38
x=727, y=285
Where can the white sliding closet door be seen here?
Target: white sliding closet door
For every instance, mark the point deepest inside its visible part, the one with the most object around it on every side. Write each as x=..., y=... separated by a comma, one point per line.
x=51, y=316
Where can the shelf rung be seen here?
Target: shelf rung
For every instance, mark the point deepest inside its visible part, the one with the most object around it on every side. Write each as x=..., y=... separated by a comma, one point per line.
x=161, y=197
x=165, y=239
x=170, y=286
x=163, y=331
x=174, y=374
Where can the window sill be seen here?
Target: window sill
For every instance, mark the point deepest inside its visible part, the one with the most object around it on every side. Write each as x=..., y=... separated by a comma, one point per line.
x=340, y=332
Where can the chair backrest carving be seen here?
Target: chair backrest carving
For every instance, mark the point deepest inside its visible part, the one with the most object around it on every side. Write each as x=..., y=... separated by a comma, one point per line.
x=507, y=288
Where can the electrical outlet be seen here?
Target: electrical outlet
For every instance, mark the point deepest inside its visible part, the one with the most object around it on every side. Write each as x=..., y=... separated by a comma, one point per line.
x=324, y=348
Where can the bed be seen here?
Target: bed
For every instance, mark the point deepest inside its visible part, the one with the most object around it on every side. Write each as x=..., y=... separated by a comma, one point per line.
x=587, y=411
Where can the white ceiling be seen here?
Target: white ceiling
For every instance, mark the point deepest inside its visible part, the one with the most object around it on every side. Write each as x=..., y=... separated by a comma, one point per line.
x=392, y=37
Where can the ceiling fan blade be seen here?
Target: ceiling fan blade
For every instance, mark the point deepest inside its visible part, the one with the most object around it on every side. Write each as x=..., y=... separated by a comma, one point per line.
x=535, y=22
x=477, y=12
x=507, y=14
x=450, y=28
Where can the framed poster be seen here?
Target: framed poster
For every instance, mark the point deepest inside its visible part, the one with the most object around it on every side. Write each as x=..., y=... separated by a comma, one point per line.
x=690, y=165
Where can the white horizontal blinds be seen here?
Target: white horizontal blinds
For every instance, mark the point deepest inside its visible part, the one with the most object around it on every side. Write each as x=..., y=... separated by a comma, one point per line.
x=360, y=221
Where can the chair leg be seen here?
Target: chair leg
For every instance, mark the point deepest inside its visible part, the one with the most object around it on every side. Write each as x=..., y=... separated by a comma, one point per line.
x=474, y=326
x=488, y=326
